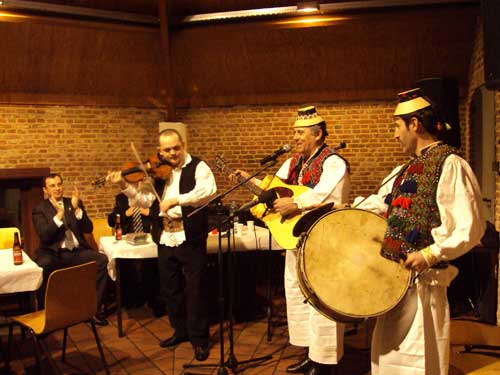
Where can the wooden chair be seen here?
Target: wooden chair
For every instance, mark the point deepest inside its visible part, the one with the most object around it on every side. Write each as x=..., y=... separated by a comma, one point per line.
x=101, y=228
x=70, y=299
x=7, y=237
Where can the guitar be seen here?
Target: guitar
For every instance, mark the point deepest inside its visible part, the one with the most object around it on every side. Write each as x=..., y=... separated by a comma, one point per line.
x=280, y=227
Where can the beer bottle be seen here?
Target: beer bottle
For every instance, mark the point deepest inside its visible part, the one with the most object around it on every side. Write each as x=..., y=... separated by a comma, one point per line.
x=17, y=251
x=118, y=228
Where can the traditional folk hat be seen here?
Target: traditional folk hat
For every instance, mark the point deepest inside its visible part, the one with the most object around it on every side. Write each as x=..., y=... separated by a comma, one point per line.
x=411, y=101
x=306, y=117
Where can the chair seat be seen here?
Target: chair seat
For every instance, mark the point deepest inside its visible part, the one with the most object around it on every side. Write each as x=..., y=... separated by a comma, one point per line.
x=70, y=298
x=466, y=332
x=35, y=321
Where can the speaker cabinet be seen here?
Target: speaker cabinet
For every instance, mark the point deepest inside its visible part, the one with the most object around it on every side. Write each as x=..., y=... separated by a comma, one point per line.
x=444, y=94
x=474, y=292
x=490, y=10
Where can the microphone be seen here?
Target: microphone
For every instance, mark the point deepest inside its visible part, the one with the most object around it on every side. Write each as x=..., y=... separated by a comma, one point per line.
x=275, y=154
x=267, y=197
x=340, y=146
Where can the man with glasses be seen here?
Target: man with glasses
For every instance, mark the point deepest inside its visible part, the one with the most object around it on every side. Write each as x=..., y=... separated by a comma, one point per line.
x=182, y=240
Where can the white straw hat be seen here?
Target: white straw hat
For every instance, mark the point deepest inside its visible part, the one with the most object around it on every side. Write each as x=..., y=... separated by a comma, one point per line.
x=306, y=117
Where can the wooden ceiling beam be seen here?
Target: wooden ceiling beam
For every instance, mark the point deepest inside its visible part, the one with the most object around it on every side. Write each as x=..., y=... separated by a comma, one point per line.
x=167, y=89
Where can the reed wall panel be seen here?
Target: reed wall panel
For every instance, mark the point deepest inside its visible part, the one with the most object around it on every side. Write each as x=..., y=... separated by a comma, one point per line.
x=362, y=57
x=78, y=62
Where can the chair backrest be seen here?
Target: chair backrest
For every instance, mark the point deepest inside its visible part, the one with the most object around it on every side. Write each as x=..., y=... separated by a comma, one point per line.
x=7, y=237
x=101, y=228
x=70, y=297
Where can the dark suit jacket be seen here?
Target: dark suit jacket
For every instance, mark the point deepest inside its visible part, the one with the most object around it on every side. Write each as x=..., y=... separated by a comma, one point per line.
x=121, y=205
x=50, y=235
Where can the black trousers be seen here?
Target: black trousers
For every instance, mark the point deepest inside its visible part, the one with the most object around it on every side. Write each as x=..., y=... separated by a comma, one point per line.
x=140, y=281
x=183, y=288
x=51, y=260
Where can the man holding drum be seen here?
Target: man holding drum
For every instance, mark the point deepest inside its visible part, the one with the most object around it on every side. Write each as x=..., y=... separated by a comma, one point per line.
x=317, y=166
x=433, y=216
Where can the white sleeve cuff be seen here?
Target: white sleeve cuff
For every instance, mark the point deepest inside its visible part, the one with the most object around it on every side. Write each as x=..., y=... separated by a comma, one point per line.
x=58, y=222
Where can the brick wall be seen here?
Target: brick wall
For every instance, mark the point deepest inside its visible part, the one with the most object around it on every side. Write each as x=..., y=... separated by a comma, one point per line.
x=497, y=207
x=476, y=79
x=78, y=142
x=245, y=134
x=84, y=142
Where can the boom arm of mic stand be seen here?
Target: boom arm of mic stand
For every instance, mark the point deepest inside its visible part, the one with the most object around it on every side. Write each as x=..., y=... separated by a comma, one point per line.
x=220, y=196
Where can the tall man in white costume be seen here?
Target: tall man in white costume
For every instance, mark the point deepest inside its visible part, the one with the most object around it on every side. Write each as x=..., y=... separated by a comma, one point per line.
x=327, y=174
x=433, y=213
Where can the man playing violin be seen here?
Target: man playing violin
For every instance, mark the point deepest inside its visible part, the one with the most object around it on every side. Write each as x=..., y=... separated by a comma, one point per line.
x=433, y=214
x=60, y=223
x=182, y=240
x=319, y=167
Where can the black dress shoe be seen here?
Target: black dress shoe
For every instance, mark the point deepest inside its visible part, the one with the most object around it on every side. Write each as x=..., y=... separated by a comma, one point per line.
x=201, y=352
x=172, y=341
x=321, y=369
x=300, y=367
x=100, y=321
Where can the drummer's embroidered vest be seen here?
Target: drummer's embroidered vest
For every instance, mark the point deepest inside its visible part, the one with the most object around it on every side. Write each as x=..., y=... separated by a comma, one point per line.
x=413, y=210
x=313, y=168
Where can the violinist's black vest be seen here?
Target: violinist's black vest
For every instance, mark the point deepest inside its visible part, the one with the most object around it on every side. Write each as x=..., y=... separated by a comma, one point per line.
x=196, y=227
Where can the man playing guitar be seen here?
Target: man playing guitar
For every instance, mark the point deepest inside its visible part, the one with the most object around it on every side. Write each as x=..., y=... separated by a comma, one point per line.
x=318, y=167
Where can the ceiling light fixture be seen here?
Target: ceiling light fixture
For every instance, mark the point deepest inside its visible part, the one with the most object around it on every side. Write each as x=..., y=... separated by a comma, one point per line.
x=308, y=6
x=11, y=17
x=42, y=8
x=313, y=21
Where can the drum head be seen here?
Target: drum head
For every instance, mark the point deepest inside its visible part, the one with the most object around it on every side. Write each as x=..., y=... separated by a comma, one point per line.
x=340, y=266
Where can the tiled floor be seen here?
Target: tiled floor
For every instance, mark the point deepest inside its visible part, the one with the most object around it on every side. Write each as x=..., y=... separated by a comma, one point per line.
x=138, y=352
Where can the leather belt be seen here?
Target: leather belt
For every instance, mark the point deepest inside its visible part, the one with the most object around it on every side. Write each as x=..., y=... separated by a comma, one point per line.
x=172, y=225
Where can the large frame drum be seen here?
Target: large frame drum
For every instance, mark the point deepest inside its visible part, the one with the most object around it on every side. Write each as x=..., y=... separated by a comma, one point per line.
x=340, y=269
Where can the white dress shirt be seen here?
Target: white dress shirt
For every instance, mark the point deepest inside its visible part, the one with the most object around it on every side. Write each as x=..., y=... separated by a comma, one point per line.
x=70, y=238
x=203, y=190
x=334, y=184
x=459, y=202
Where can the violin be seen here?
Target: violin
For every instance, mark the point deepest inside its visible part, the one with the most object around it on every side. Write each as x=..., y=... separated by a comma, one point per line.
x=132, y=171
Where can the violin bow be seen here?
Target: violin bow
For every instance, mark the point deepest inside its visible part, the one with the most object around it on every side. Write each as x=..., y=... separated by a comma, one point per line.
x=141, y=165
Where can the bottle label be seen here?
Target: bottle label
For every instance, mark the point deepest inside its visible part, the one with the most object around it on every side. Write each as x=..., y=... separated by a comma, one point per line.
x=118, y=234
x=18, y=256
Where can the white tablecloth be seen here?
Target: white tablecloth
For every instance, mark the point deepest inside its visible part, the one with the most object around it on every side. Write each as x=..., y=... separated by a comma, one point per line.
x=26, y=277
x=121, y=249
x=248, y=241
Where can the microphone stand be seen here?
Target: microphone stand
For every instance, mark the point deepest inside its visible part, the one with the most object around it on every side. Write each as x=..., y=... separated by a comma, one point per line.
x=231, y=363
